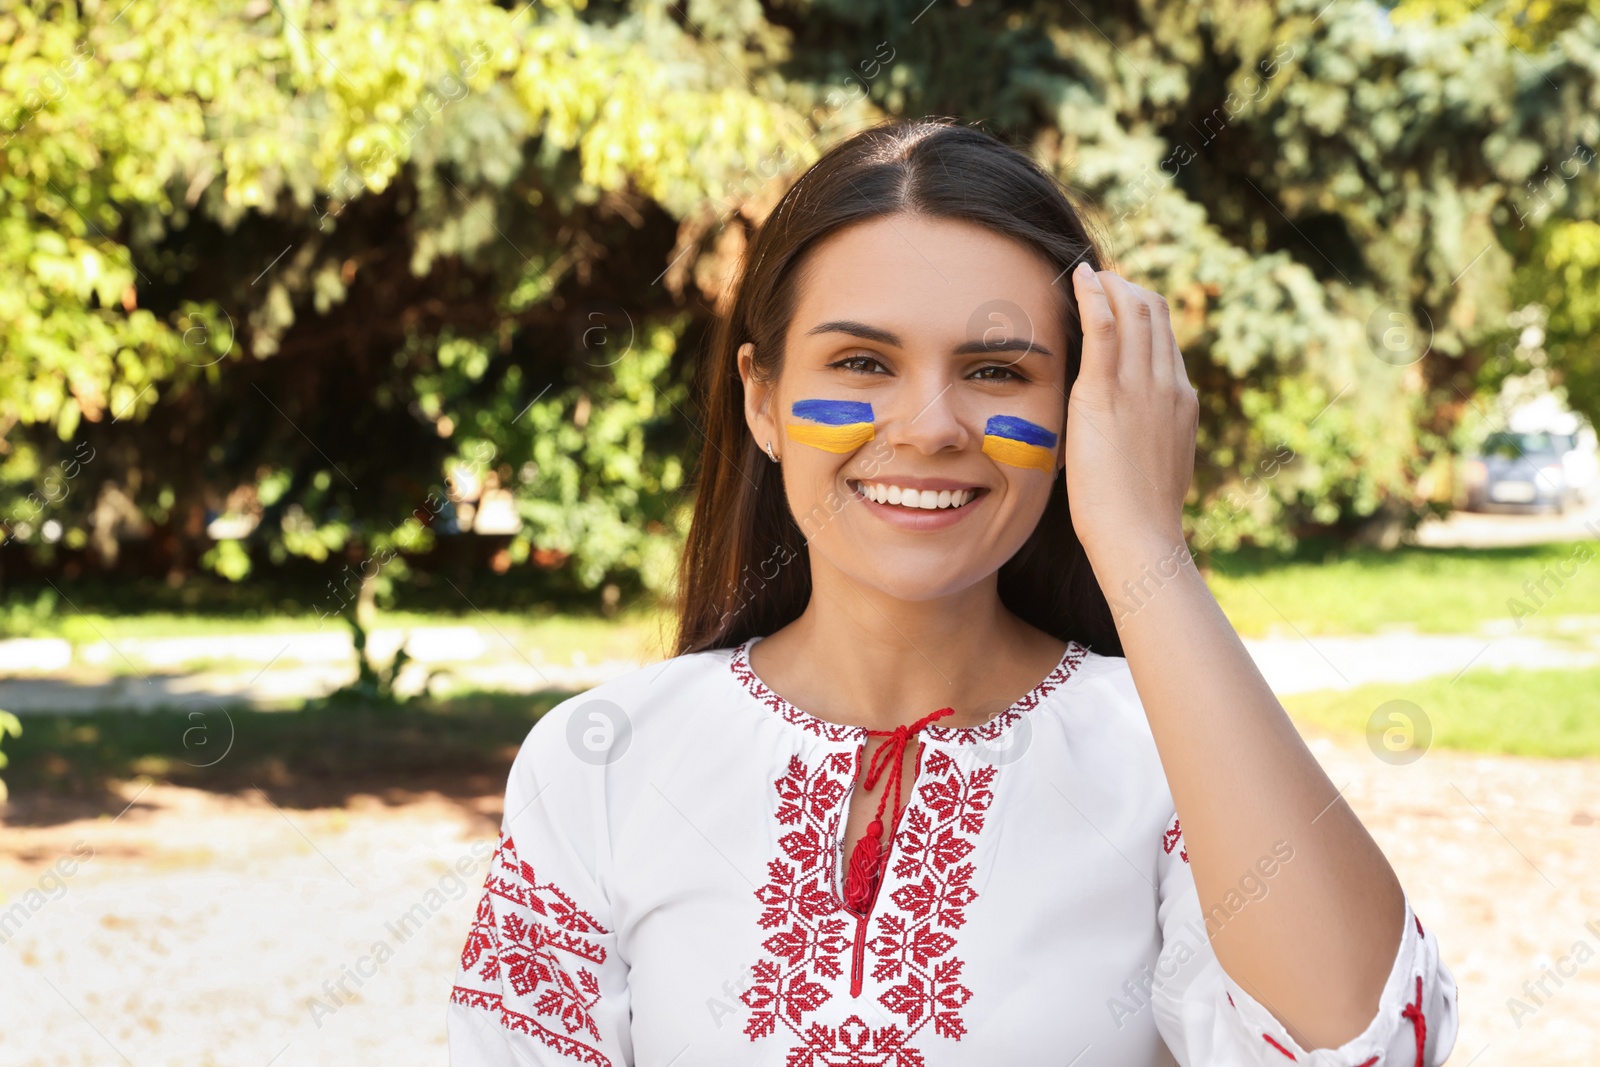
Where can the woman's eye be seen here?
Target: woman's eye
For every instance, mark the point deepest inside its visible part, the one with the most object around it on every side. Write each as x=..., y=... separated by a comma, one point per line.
x=1006, y=373
x=857, y=363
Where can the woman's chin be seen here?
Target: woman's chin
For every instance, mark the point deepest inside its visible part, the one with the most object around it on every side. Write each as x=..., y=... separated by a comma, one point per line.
x=917, y=578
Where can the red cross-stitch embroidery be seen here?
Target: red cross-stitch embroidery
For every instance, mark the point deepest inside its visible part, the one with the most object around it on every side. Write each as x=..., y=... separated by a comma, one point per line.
x=833, y=731
x=510, y=967
x=798, y=900
x=913, y=943
x=854, y=1044
x=913, y=947
x=1172, y=837
x=1071, y=660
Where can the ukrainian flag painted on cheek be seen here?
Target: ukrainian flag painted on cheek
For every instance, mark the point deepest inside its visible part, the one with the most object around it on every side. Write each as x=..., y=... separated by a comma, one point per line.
x=831, y=425
x=1019, y=443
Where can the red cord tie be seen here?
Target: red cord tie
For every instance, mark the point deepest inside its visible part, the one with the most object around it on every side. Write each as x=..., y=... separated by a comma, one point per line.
x=1418, y=1021
x=866, y=859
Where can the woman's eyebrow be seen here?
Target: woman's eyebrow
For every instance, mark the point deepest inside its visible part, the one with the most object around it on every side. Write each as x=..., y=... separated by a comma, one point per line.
x=888, y=337
x=1010, y=344
x=858, y=329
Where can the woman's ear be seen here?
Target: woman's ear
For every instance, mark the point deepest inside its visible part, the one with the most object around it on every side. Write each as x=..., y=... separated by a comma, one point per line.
x=759, y=400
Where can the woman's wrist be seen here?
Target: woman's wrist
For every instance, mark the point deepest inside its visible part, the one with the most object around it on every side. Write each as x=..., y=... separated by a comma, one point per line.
x=1132, y=569
x=1147, y=545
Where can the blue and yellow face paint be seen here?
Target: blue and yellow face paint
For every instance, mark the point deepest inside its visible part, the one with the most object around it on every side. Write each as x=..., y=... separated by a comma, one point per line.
x=831, y=425
x=1019, y=443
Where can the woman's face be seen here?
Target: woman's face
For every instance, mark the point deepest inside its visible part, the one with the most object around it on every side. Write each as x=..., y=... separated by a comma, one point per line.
x=954, y=336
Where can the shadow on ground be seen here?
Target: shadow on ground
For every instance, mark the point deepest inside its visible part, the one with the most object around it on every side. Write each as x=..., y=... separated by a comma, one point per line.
x=65, y=767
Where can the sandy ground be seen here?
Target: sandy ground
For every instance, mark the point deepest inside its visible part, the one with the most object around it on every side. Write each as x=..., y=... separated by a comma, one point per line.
x=203, y=926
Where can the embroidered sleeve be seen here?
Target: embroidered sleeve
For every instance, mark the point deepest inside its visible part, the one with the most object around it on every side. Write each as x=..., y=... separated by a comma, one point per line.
x=539, y=981
x=1207, y=1019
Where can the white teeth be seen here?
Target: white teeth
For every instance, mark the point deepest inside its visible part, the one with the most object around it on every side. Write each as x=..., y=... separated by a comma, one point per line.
x=928, y=499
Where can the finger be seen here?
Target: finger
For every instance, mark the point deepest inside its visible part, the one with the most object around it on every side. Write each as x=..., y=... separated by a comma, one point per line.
x=1133, y=328
x=1166, y=365
x=1180, y=365
x=1169, y=339
x=1099, y=361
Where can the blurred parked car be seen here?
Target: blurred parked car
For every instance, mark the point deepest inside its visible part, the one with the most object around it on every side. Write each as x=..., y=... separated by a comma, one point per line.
x=1534, y=470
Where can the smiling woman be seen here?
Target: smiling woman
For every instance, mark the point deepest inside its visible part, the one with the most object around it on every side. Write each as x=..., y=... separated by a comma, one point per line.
x=912, y=797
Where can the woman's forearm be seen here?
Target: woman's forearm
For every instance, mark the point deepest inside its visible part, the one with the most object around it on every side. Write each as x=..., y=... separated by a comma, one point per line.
x=1316, y=948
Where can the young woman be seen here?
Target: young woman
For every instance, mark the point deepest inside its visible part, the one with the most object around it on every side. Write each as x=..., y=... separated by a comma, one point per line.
x=910, y=794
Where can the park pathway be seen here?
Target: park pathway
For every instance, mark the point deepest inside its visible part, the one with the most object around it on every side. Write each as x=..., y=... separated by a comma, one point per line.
x=279, y=670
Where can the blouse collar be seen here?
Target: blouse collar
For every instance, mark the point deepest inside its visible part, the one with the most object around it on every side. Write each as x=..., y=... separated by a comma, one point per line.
x=1064, y=669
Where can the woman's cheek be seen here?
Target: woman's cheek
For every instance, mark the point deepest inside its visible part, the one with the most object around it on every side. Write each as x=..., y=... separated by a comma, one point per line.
x=1017, y=442
x=836, y=426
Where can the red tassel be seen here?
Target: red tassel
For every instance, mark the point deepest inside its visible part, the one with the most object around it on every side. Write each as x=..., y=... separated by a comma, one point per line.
x=862, y=879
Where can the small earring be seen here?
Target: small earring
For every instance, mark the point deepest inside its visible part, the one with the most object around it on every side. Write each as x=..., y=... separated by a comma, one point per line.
x=771, y=454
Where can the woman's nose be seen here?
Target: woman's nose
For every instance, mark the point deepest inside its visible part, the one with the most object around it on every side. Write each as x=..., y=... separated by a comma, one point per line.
x=926, y=416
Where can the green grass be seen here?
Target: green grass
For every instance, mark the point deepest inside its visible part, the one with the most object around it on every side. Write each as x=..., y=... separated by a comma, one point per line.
x=521, y=604
x=323, y=752
x=1318, y=590
x=1432, y=590
x=1518, y=712
x=636, y=634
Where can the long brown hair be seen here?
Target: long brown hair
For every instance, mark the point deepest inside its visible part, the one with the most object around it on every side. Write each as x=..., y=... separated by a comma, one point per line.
x=744, y=569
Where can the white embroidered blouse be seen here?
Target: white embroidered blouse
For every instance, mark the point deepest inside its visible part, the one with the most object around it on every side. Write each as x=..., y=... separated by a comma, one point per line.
x=667, y=893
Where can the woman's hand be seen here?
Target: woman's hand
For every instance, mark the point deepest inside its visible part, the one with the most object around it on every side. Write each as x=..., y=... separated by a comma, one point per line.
x=1131, y=419
x=1240, y=775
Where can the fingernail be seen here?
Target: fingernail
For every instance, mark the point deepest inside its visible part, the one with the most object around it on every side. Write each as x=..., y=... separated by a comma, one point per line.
x=1081, y=270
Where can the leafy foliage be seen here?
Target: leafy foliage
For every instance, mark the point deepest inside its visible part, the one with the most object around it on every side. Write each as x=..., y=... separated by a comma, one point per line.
x=276, y=280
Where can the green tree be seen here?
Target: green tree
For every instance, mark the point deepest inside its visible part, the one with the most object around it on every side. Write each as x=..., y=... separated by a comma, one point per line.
x=1555, y=240
x=303, y=262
